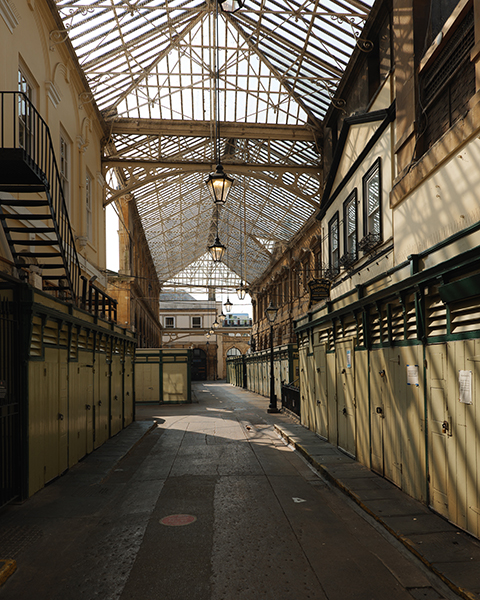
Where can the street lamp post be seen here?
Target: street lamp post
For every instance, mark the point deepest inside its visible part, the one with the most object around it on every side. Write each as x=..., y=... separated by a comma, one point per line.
x=271, y=314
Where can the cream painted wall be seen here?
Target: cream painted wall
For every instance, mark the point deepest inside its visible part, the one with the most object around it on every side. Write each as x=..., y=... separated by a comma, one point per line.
x=385, y=95
x=358, y=136
x=57, y=96
x=382, y=150
x=447, y=202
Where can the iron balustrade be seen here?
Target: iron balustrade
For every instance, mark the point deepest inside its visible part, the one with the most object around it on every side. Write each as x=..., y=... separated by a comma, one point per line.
x=25, y=136
x=23, y=129
x=97, y=302
x=291, y=397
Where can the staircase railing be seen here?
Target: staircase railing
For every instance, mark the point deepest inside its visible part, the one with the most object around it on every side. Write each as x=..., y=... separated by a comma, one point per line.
x=22, y=129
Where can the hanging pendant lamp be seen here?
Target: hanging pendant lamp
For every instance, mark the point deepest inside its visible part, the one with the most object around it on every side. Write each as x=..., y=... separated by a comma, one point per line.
x=217, y=250
x=228, y=305
x=241, y=291
x=218, y=183
x=231, y=6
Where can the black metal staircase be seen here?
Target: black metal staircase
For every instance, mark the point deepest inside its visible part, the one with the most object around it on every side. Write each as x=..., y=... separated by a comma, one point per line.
x=41, y=236
x=34, y=213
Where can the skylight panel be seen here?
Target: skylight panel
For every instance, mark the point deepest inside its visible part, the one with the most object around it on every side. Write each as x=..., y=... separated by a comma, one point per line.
x=280, y=63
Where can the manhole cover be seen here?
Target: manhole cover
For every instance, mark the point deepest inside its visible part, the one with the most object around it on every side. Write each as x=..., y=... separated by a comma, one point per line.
x=178, y=520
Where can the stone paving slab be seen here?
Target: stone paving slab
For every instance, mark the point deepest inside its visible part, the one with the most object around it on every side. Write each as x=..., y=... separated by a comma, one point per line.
x=408, y=525
x=78, y=485
x=449, y=552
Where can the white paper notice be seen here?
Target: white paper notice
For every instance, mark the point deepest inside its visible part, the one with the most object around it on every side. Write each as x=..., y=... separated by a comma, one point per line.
x=465, y=386
x=412, y=375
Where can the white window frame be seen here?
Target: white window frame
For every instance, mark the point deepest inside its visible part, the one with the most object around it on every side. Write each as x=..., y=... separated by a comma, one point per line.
x=372, y=190
x=334, y=244
x=169, y=322
x=350, y=220
x=194, y=326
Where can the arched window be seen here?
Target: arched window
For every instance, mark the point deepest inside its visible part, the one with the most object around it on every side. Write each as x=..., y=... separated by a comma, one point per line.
x=233, y=352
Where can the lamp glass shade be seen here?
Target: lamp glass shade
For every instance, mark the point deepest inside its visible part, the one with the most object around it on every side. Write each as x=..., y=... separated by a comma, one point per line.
x=241, y=292
x=221, y=318
x=271, y=312
x=216, y=324
x=217, y=250
x=219, y=184
x=228, y=305
x=231, y=5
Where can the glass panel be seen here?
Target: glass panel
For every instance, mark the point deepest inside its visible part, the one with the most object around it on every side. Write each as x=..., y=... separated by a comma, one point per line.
x=24, y=112
x=373, y=202
x=351, y=226
x=334, y=244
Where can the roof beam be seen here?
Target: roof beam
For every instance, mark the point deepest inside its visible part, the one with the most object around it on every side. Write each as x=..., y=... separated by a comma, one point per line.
x=249, y=131
x=187, y=166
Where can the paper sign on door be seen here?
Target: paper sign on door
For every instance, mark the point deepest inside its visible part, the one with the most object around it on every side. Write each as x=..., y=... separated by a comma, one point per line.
x=465, y=387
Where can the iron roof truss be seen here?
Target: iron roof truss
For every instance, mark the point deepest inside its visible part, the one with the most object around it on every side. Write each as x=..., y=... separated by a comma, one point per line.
x=151, y=66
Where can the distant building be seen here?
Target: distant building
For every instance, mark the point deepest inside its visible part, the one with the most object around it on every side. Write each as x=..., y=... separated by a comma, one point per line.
x=190, y=323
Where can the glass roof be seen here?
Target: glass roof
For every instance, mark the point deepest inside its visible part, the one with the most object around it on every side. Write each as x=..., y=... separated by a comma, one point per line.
x=156, y=68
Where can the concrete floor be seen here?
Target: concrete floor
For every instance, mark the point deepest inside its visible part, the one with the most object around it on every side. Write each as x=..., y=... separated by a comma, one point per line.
x=208, y=504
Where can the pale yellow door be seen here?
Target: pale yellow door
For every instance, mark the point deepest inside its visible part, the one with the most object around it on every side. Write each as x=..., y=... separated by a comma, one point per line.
x=377, y=409
x=392, y=382
x=439, y=430
x=320, y=376
x=346, y=396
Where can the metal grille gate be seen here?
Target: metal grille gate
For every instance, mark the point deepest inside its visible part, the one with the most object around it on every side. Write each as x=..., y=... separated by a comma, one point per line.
x=9, y=402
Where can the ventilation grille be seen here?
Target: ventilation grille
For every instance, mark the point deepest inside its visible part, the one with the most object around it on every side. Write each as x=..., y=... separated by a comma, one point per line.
x=73, y=352
x=50, y=333
x=455, y=53
x=465, y=315
x=36, y=341
x=375, y=325
x=436, y=314
x=63, y=336
x=410, y=318
x=397, y=322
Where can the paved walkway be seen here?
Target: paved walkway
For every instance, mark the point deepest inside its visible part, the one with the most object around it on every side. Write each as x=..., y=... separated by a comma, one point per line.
x=205, y=502
x=446, y=550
